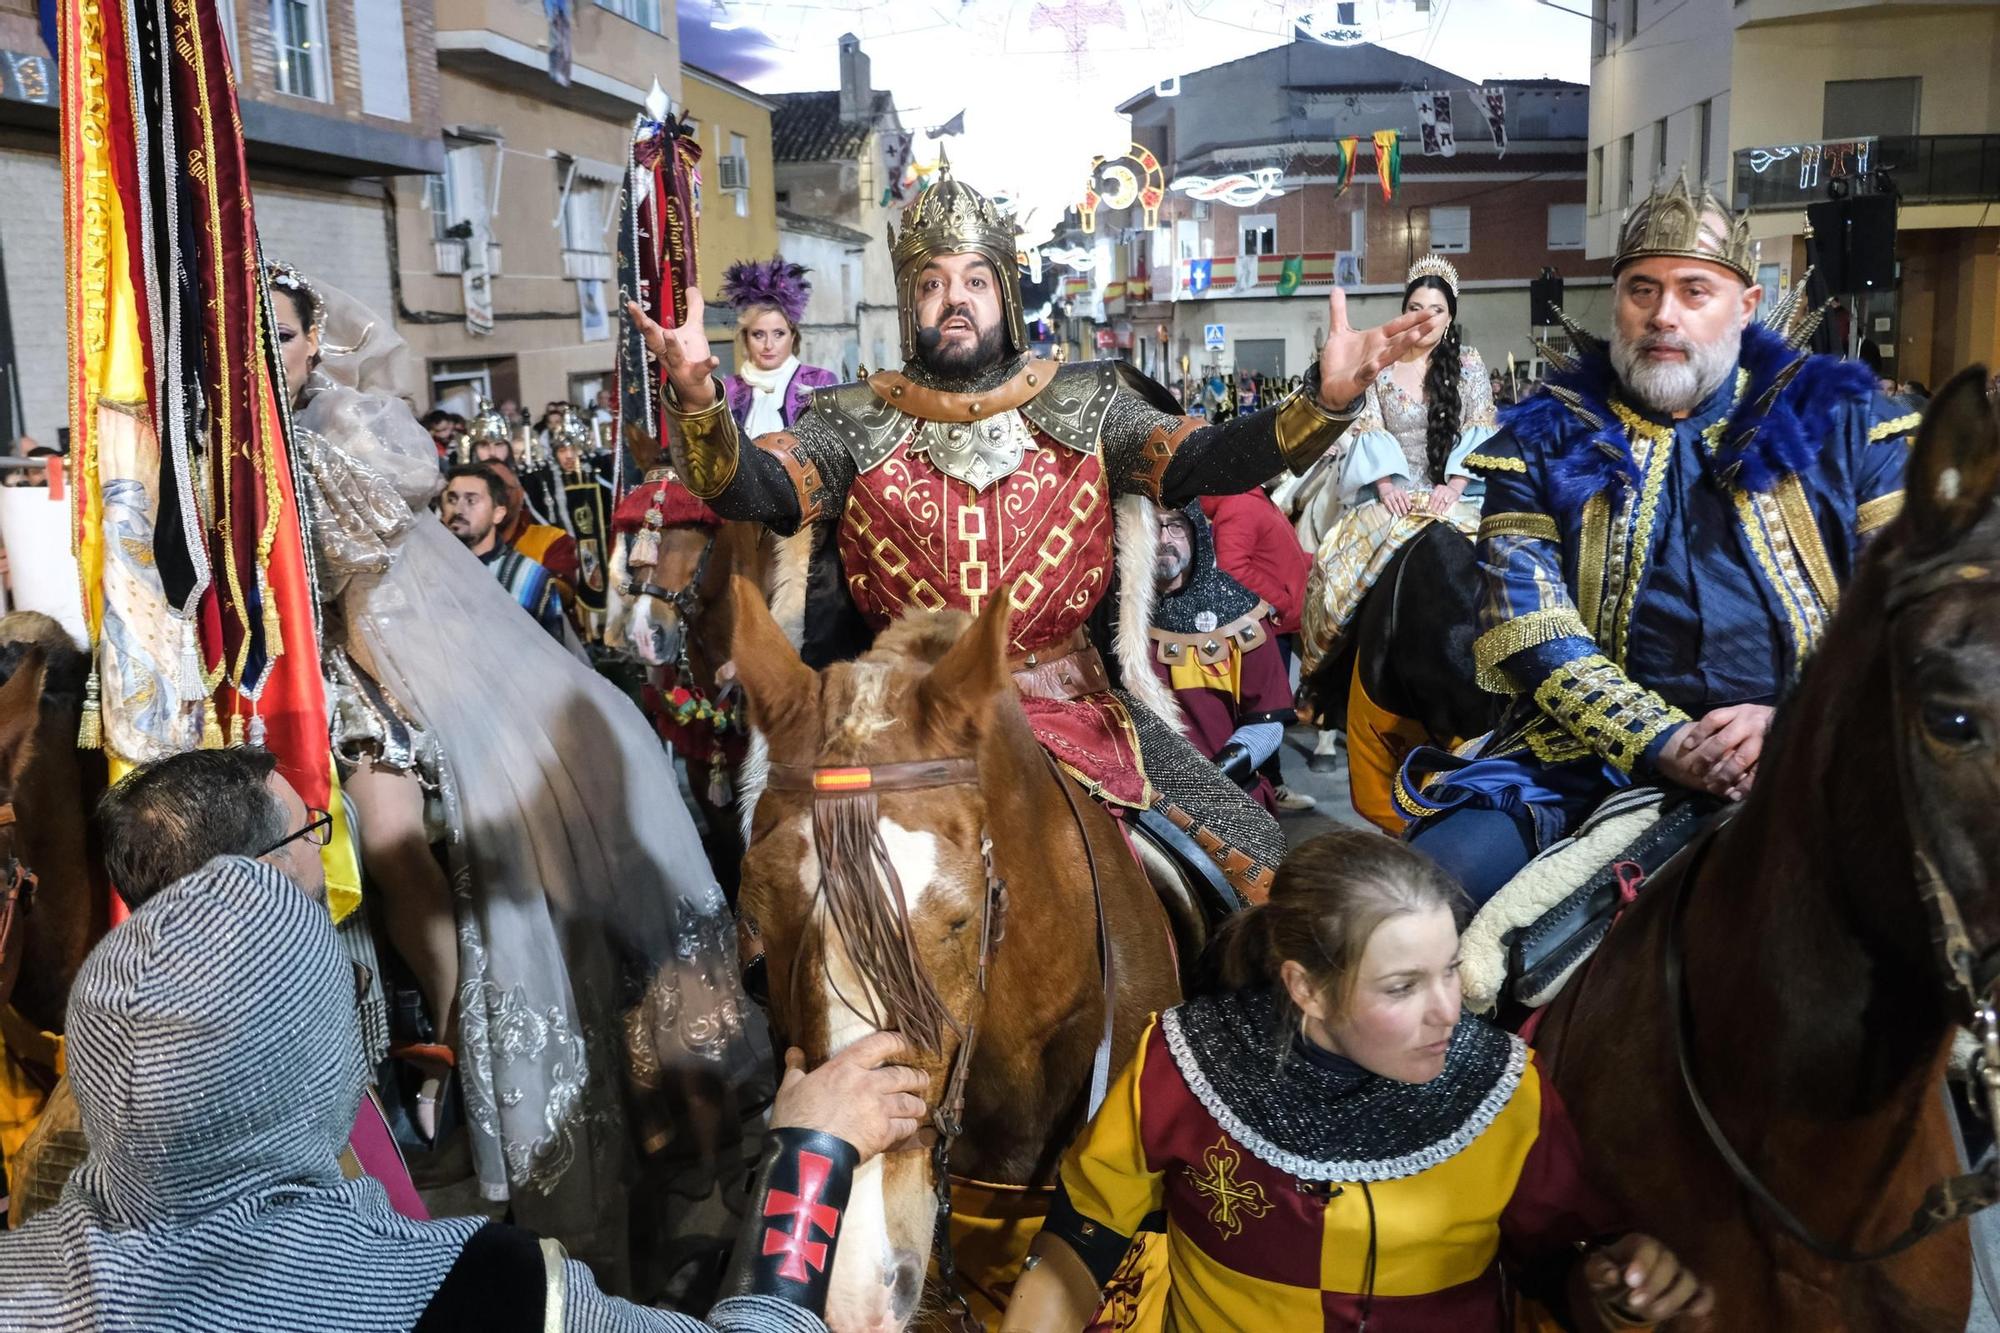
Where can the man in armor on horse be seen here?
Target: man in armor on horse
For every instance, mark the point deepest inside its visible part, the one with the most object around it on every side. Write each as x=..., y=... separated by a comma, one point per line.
x=1666, y=533
x=979, y=468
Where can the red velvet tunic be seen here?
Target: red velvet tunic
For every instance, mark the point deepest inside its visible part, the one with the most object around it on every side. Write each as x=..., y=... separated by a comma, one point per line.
x=910, y=536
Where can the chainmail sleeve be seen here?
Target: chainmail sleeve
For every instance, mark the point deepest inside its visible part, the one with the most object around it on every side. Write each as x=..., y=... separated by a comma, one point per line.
x=789, y=479
x=1173, y=459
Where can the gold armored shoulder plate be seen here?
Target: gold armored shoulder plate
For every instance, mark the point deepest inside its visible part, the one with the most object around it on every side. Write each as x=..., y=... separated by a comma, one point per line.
x=1071, y=408
x=868, y=428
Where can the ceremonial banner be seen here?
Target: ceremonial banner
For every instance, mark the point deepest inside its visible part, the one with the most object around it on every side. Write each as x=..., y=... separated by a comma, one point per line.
x=1200, y=273
x=1434, y=118
x=1388, y=162
x=1290, y=274
x=1496, y=116
x=1344, y=152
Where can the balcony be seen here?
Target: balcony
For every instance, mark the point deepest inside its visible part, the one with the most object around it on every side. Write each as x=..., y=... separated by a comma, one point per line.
x=451, y=257
x=588, y=264
x=1926, y=169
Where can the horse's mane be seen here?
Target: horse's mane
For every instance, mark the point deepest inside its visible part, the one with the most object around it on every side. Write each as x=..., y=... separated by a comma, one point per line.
x=63, y=667
x=923, y=636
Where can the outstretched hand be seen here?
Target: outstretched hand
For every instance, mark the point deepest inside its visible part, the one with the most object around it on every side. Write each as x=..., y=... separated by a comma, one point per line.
x=683, y=351
x=1352, y=358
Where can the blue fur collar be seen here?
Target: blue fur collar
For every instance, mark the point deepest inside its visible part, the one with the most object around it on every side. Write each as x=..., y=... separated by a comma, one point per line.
x=1760, y=444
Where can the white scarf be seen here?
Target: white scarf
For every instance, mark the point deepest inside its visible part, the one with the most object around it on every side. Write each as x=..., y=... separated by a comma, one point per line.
x=767, y=402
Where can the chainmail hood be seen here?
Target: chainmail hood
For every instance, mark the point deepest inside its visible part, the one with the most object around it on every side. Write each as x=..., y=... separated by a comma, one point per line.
x=1317, y=1123
x=1209, y=598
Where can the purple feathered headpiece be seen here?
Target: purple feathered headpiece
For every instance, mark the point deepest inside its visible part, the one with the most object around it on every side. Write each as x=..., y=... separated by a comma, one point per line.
x=773, y=282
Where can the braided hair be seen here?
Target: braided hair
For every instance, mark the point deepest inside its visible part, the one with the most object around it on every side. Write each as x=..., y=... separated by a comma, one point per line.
x=1441, y=388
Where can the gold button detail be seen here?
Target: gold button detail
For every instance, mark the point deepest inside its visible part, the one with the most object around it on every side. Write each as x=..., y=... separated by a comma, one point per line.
x=1032, y=379
x=975, y=409
x=896, y=392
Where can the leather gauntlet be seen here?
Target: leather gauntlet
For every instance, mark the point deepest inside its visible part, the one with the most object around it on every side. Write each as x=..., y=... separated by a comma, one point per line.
x=1306, y=428
x=1236, y=764
x=705, y=444
x=789, y=1231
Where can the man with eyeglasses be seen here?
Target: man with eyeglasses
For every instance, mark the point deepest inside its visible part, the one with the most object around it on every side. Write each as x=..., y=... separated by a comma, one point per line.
x=162, y=822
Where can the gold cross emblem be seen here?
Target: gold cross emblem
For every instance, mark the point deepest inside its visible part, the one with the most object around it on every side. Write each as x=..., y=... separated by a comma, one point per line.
x=1229, y=1198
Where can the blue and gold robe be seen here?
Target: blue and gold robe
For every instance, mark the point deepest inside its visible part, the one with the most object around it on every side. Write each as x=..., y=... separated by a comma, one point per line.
x=1640, y=571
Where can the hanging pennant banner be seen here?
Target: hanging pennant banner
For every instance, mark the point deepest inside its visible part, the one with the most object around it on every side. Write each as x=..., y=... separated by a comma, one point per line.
x=1496, y=117
x=1345, y=152
x=1388, y=161
x=1434, y=118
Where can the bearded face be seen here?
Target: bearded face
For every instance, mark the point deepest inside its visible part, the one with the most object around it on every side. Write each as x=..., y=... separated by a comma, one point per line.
x=1679, y=331
x=958, y=297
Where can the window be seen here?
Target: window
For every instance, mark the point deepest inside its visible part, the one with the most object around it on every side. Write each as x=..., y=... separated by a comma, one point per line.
x=1451, y=230
x=583, y=218
x=1565, y=226
x=225, y=13
x=1704, y=126
x=1625, y=149
x=1659, y=151
x=385, y=71
x=1597, y=179
x=1858, y=108
x=645, y=13
x=1259, y=234
x=739, y=153
x=298, y=32
x=1357, y=231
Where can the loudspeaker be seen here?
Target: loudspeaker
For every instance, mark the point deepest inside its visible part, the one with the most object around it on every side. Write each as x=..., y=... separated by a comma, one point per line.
x=1854, y=243
x=1544, y=295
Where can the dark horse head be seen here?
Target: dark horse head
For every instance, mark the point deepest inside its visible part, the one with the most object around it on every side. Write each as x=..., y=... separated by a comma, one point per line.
x=1941, y=562
x=1412, y=639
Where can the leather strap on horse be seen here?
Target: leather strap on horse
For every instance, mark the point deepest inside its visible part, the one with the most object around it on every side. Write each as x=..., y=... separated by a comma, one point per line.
x=1944, y=1203
x=1100, y=1068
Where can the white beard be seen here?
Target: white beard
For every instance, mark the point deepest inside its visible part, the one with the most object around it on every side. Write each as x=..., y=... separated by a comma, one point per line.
x=1674, y=387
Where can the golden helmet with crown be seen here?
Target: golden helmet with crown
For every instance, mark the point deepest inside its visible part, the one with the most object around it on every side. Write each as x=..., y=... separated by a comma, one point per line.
x=951, y=218
x=487, y=426
x=1676, y=223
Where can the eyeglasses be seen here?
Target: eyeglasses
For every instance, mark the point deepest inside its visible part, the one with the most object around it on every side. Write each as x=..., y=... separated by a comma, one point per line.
x=318, y=831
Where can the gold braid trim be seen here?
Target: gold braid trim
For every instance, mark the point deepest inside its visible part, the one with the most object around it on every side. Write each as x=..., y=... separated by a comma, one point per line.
x=1796, y=512
x=1659, y=441
x=706, y=445
x=1591, y=547
x=1882, y=430
x=1593, y=700
x=1306, y=428
x=1517, y=634
x=1538, y=526
x=1877, y=512
x=1751, y=518
x=1493, y=463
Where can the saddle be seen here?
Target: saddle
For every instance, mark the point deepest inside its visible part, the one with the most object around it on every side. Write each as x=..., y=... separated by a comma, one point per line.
x=1532, y=936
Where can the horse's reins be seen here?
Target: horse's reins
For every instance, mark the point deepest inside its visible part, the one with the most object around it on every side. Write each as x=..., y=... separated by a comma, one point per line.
x=827, y=784
x=1972, y=976
x=17, y=891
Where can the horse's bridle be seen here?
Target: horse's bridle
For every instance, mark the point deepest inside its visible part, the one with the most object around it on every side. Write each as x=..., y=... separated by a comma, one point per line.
x=949, y=1118
x=686, y=599
x=1972, y=976
x=17, y=891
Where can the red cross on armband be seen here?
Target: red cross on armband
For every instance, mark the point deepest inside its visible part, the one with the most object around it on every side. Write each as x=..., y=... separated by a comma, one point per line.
x=808, y=1216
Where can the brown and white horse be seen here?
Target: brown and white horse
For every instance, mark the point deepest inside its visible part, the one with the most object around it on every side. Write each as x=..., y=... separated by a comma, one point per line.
x=1804, y=972
x=917, y=864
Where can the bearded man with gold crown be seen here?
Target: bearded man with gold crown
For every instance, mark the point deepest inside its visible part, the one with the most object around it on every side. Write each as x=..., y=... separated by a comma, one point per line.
x=1667, y=529
x=977, y=468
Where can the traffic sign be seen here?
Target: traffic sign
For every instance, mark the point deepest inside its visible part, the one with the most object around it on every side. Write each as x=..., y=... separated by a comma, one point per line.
x=1212, y=334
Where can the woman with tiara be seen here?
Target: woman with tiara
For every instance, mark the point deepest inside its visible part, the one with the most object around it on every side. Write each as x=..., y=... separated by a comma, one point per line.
x=1404, y=466
x=578, y=961
x=770, y=387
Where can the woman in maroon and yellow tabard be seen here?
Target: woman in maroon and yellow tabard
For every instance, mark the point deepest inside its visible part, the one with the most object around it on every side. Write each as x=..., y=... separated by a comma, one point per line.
x=1380, y=1167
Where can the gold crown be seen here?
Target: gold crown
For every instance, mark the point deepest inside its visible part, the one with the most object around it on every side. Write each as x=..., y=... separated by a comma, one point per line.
x=1434, y=265
x=949, y=218
x=486, y=425
x=1674, y=223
